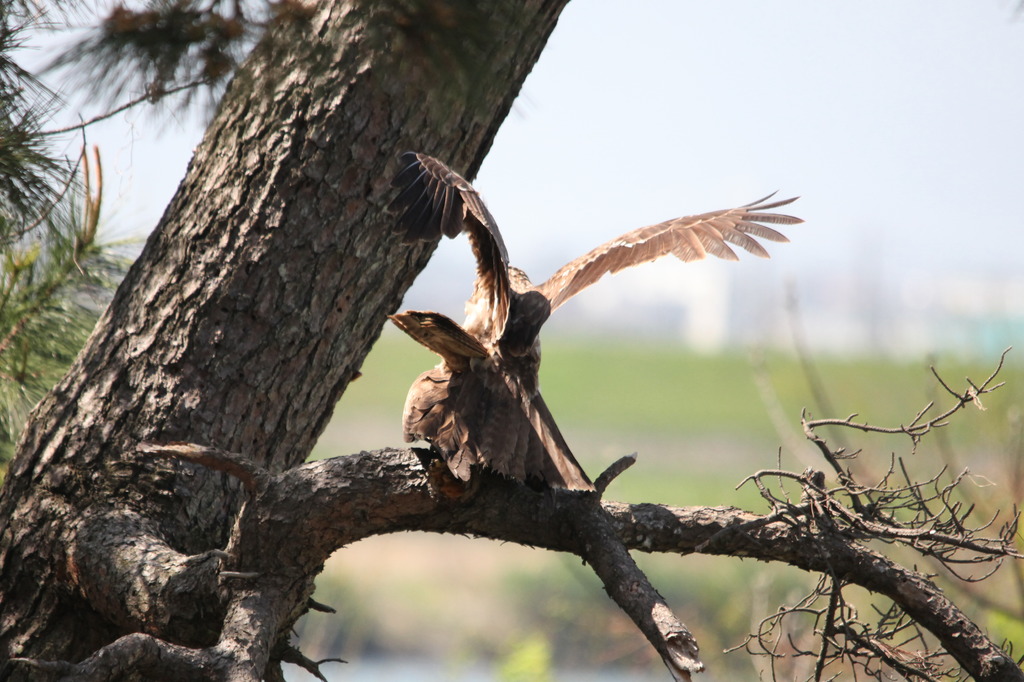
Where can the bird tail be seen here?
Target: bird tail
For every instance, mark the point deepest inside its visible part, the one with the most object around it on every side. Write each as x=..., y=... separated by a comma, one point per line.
x=471, y=421
x=552, y=461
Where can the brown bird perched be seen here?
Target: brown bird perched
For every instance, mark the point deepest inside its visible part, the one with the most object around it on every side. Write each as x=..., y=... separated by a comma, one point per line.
x=482, y=404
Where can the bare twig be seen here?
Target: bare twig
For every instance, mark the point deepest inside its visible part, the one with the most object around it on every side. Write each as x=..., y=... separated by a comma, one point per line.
x=234, y=464
x=915, y=429
x=148, y=97
x=927, y=516
x=613, y=472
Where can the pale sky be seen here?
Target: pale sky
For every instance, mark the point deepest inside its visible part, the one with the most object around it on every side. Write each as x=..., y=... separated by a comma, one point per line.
x=900, y=124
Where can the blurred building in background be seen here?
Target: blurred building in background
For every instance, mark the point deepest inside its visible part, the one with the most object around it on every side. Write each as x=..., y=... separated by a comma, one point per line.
x=842, y=312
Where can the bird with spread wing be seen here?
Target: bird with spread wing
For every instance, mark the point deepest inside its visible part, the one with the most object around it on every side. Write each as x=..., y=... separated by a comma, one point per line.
x=482, y=405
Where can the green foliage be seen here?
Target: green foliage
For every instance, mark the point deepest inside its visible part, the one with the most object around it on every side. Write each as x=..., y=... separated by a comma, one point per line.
x=29, y=172
x=53, y=270
x=51, y=278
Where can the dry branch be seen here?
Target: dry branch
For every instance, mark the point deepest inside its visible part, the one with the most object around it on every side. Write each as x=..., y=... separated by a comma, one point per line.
x=925, y=516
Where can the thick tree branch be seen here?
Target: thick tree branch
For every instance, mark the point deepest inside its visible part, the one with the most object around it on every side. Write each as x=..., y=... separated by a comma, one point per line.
x=346, y=499
x=656, y=528
x=627, y=585
x=139, y=654
x=513, y=513
x=128, y=573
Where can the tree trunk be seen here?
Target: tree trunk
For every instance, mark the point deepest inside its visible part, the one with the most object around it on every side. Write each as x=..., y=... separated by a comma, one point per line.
x=250, y=309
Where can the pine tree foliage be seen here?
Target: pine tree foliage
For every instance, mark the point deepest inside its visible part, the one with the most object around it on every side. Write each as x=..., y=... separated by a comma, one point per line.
x=54, y=271
x=160, y=47
x=52, y=283
x=29, y=171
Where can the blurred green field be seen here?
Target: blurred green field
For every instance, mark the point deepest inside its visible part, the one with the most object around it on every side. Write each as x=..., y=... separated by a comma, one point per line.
x=714, y=418
x=665, y=388
x=700, y=423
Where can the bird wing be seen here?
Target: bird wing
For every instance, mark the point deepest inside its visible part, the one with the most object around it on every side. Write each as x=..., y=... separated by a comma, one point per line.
x=690, y=238
x=435, y=200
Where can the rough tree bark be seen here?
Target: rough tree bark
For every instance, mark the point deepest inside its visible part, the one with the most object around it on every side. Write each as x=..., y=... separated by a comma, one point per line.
x=125, y=556
x=251, y=307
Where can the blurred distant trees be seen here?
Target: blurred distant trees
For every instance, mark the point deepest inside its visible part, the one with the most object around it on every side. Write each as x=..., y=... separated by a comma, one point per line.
x=158, y=520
